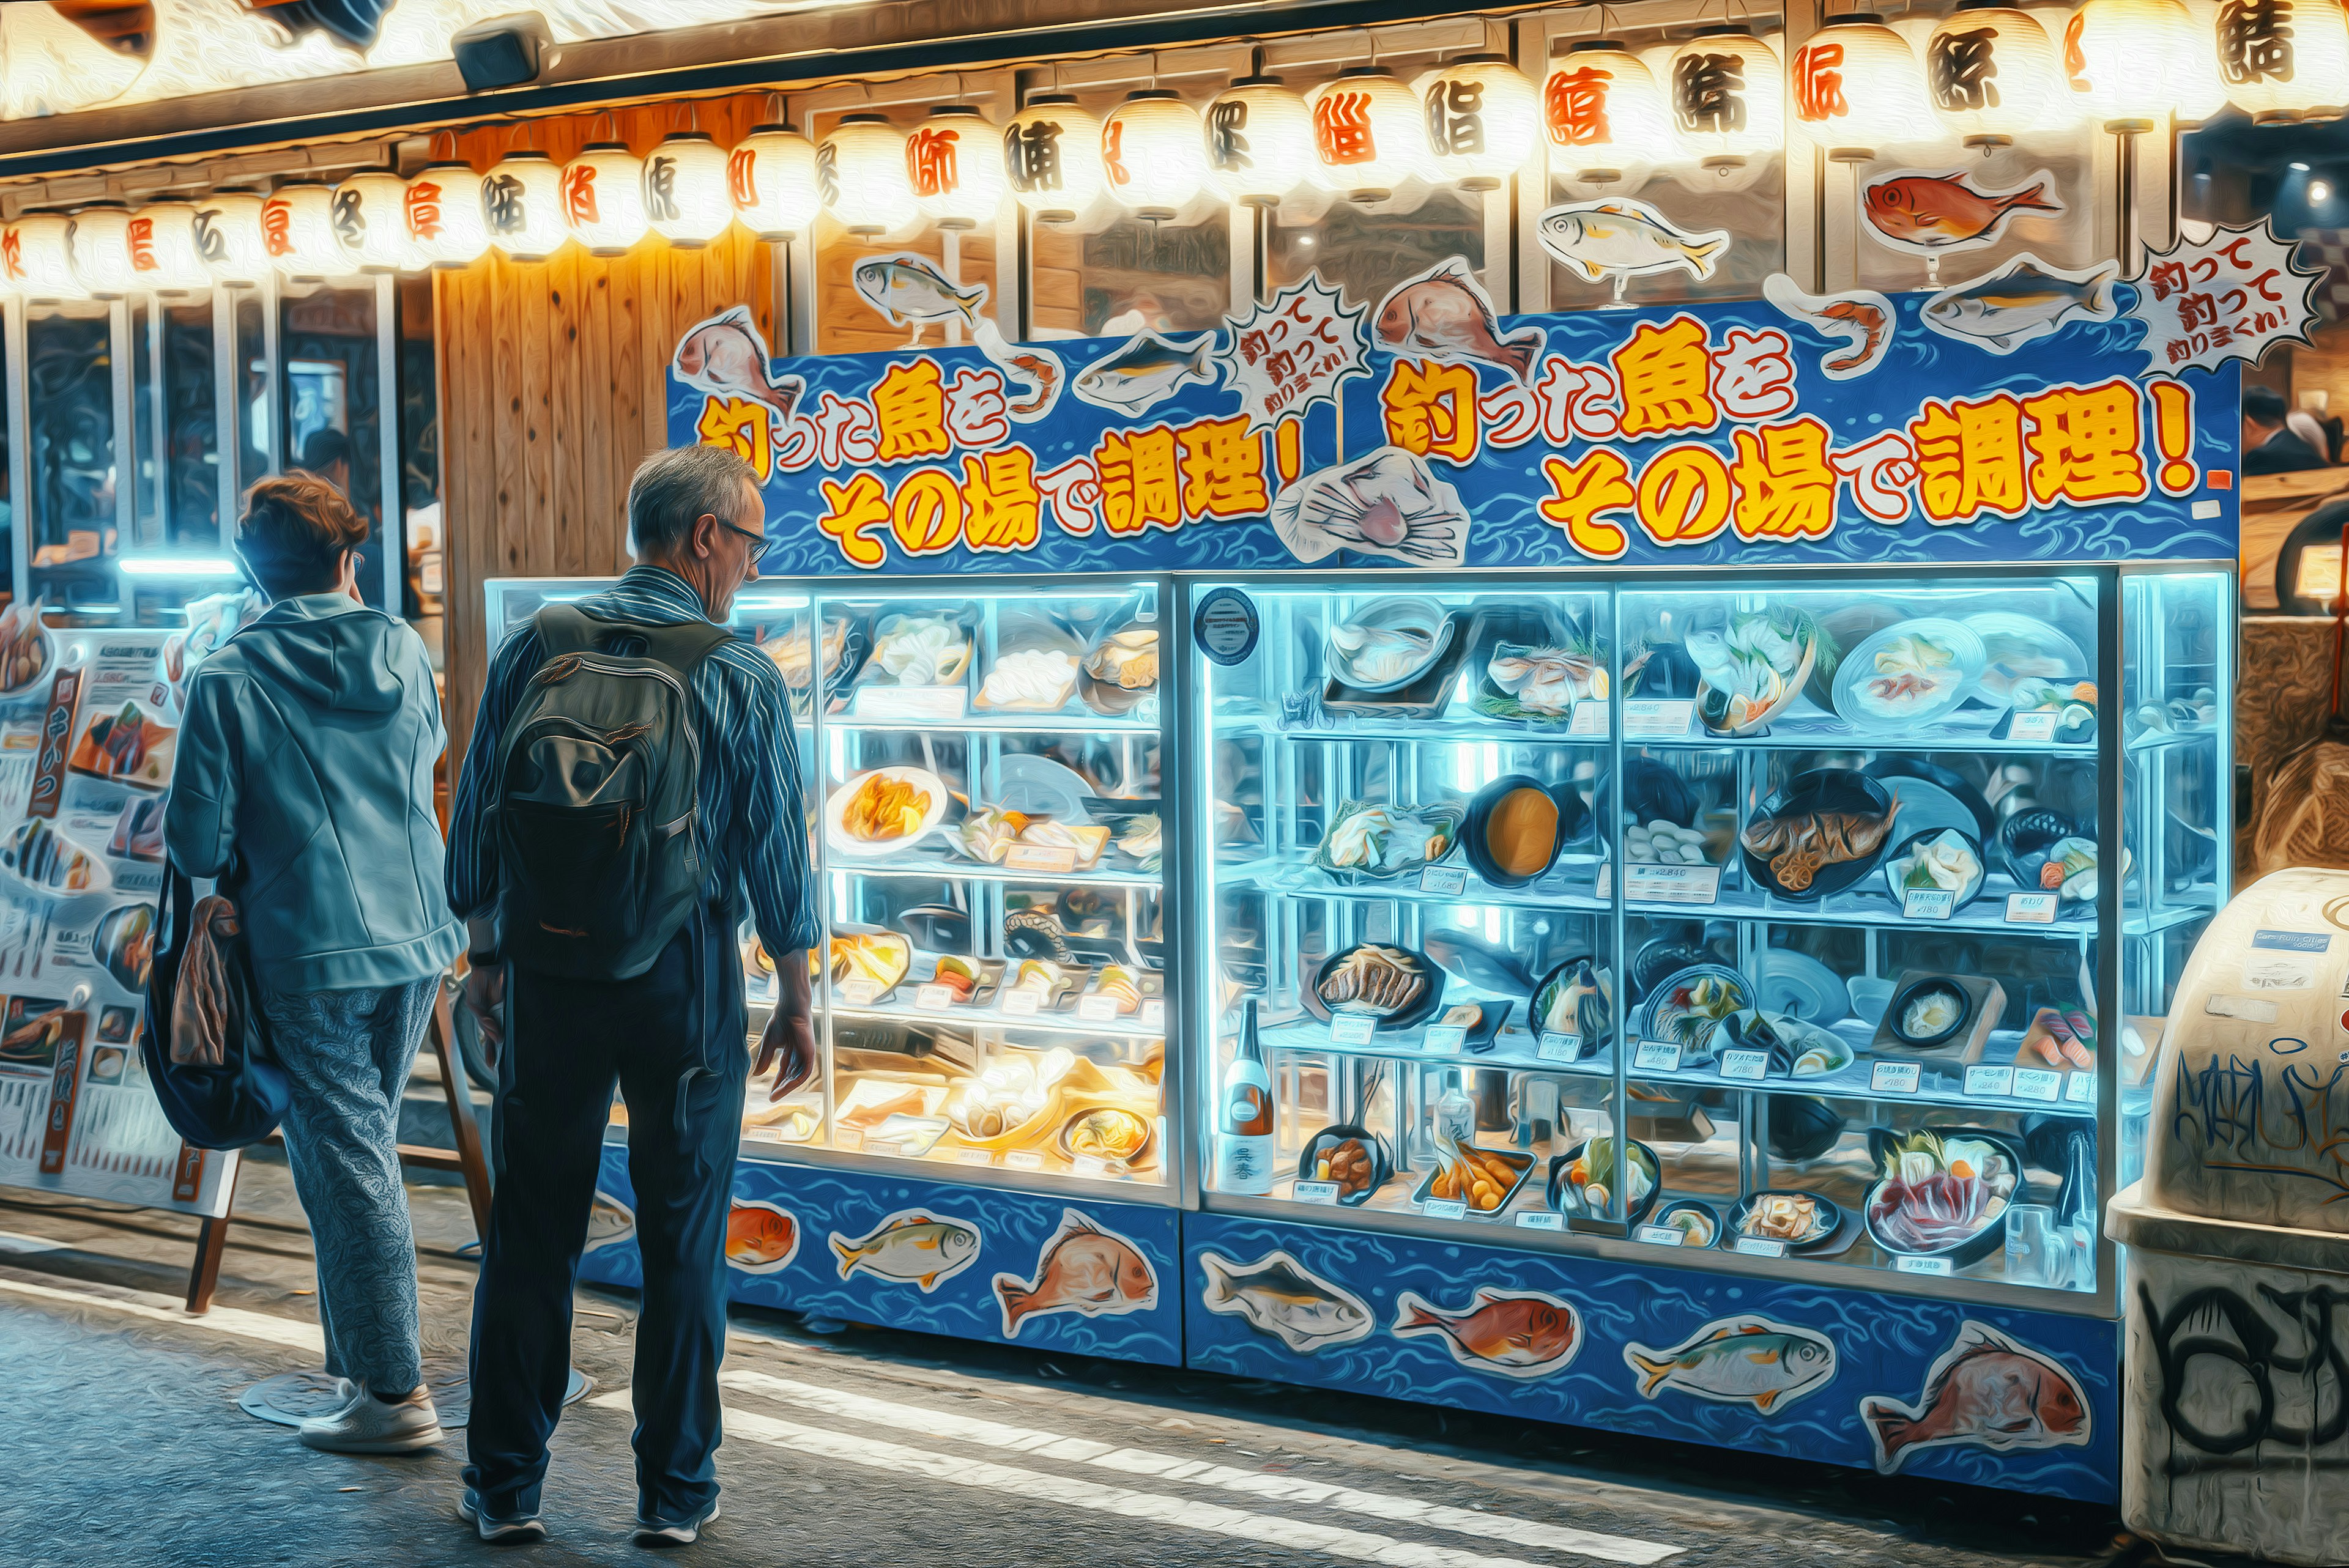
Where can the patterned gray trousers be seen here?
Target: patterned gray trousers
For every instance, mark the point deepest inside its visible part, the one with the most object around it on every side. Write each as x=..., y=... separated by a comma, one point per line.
x=347, y=1054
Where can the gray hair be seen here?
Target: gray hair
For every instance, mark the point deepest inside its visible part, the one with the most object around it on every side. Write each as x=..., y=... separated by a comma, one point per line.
x=673, y=489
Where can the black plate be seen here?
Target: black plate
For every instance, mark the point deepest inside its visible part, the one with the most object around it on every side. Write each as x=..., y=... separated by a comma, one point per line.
x=1654, y=791
x=1591, y=1039
x=1664, y=1216
x=1664, y=956
x=1382, y=1158
x=1510, y=1156
x=1668, y=673
x=1427, y=695
x=1972, y=798
x=1567, y=800
x=937, y=927
x=1802, y=1127
x=1975, y=1247
x=1730, y=1231
x=1915, y=991
x=1430, y=999
x=1821, y=790
x=1556, y=1180
x=2024, y=842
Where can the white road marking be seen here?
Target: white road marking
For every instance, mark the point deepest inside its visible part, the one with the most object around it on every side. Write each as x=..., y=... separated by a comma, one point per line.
x=15, y=1242
x=290, y=1333
x=1073, y=1492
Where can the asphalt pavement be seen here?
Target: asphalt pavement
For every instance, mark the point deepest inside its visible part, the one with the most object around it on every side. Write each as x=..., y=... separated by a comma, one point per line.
x=124, y=1445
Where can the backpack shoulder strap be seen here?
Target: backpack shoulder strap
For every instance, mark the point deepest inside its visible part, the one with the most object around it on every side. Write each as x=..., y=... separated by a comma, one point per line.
x=566, y=629
x=684, y=645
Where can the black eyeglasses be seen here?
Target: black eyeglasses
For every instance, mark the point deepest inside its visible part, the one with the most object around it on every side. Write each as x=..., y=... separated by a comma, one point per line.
x=758, y=540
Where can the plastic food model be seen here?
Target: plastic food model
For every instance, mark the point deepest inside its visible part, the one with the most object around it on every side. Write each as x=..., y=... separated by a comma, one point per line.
x=1127, y=659
x=1376, y=980
x=1589, y=1172
x=1945, y=862
x=1753, y=667
x=921, y=650
x=1107, y=1133
x=1381, y=839
x=1040, y=680
x=1940, y=1192
x=1543, y=683
x=1347, y=1164
x=1910, y=672
x=1477, y=1177
x=1798, y=845
x=1789, y=1217
x=884, y=807
x=881, y=959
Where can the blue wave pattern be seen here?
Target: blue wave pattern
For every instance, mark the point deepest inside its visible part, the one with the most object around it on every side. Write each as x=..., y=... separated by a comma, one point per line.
x=1503, y=488
x=1885, y=1346
x=1014, y=1229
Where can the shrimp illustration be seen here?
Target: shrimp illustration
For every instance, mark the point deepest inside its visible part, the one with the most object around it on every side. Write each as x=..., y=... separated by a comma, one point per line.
x=1863, y=319
x=1040, y=367
x=1871, y=324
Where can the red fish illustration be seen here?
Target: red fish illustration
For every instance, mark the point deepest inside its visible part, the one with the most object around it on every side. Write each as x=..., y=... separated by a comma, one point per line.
x=724, y=354
x=1520, y=1333
x=1444, y=311
x=1935, y=212
x=1984, y=1390
x=759, y=1237
x=1082, y=1269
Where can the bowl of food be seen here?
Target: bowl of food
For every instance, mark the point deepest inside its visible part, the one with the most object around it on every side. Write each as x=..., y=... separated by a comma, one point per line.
x=1752, y=667
x=1578, y=1179
x=1908, y=675
x=1377, y=841
x=1803, y=1221
x=1792, y=1048
x=1482, y=1179
x=1120, y=670
x=1513, y=829
x=1698, y=1224
x=27, y=649
x=1353, y=1159
x=1686, y=1008
x=1109, y=1133
x=1939, y=860
x=1823, y=831
x=1577, y=998
x=1942, y=1193
x=2026, y=838
x=884, y=811
x=1928, y=1013
x=2073, y=702
x=1388, y=644
x=918, y=651
x=879, y=960
x=1540, y=683
x=1395, y=988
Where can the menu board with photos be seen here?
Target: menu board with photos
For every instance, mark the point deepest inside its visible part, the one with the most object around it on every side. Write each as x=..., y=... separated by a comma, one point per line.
x=88, y=730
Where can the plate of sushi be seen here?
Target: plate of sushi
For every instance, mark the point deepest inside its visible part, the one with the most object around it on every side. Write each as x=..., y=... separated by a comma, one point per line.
x=1752, y=669
x=884, y=811
x=1942, y=1193
x=1908, y=675
x=126, y=747
x=47, y=861
x=1366, y=839
x=1394, y=986
x=1825, y=831
x=1389, y=644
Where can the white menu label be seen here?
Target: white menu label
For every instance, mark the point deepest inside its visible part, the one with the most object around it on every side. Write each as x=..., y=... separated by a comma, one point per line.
x=1905, y=1264
x=1893, y=1077
x=1661, y=1235
x=934, y=998
x=1445, y=1209
x=2033, y=726
x=1657, y=1057
x=1450, y=882
x=2080, y=1089
x=1990, y=1080
x=1024, y=1160
x=1540, y=1219
x=1656, y=719
x=974, y=1157
x=1153, y=1013
x=887, y=1148
x=1444, y=1039
x=1672, y=884
x=1020, y=1002
x=860, y=993
x=1606, y=881
x=1557, y=1047
x=2034, y=1083
x=911, y=702
x=1052, y=860
x=1927, y=903
x=1754, y=1246
x=1753, y=1065
x=1316, y=1192
x=1352, y=1028
x=2031, y=909
x=1590, y=719
x=847, y=1138
x=1097, y=1010
x=1088, y=1165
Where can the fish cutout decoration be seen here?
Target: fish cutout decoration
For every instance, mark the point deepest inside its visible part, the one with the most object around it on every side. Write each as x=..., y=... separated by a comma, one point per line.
x=2022, y=301
x=1279, y=1296
x=1514, y=1333
x=726, y=357
x=1146, y=372
x=1446, y=313
x=1040, y=368
x=610, y=1222
x=1387, y=503
x=760, y=1237
x=906, y=287
x=1082, y=1268
x=1862, y=319
x=126, y=29
x=1927, y=213
x=912, y=1246
x=355, y=24
x=1622, y=238
x=1985, y=1392
x=1739, y=1360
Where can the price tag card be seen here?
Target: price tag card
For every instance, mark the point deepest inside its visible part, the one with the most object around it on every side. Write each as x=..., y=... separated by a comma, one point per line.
x=1449, y=882
x=1323, y=1193
x=1927, y=903
x=1657, y=1057
x=917, y=703
x=1753, y=1065
x=1657, y=720
x=1097, y=1010
x=860, y=993
x=1445, y=1209
x=2031, y=909
x=1672, y=884
x=1557, y=1047
x=1024, y=1160
x=891, y=1149
x=1020, y=1004
x=1755, y=1247
x=1052, y=860
x=1903, y=1264
x=1153, y=1013
x=2035, y=1083
x=1893, y=1077
x=847, y=1138
x=1606, y=884
x=1997, y=1081
x=1589, y=720
x=1088, y=1165
x=1352, y=1028
x=2080, y=1089
x=974, y=1157
x=1444, y=1039
x=1661, y=1235
x=934, y=998
x=1540, y=1219
x=2033, y=726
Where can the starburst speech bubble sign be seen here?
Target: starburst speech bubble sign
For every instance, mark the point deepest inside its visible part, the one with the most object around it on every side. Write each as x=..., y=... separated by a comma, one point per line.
x=1291, y=353
x=2227, y=296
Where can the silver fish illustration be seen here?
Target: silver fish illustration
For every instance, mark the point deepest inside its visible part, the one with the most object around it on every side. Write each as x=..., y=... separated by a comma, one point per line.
x=725, y=354
x=1388, y=503
x=912, y=1246
x=1445, y=313
x=610, y=1222
x=1278, y=1296
x=1863, y=320
x=1147, y=372
x=1739, y=1360
x=907, y=287
x=1040, y=367
x=2024, y=300
x=1599, y=238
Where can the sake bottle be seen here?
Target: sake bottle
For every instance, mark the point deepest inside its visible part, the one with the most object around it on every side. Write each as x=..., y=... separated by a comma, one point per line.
x=1244, y=1138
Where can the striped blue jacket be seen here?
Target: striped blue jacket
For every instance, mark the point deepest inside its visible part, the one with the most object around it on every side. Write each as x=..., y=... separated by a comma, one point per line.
x=751, y=798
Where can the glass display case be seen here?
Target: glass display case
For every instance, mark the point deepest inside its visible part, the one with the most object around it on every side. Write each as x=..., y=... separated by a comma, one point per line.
x=1767, y=919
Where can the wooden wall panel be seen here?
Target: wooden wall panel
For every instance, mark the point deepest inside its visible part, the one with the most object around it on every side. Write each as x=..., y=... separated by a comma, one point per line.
x=553, y=381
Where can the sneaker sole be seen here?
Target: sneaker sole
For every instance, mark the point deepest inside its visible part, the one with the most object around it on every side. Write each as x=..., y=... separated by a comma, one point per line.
x=408, y=1443
x=675, y=1535
x=501, y=1533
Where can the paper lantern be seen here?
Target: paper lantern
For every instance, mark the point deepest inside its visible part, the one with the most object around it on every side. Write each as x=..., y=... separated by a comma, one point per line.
x=2128, y=62
x=1857, y=89
x=860, y=169
x=37, y=254
x=2201, y=95
x=604, y=197
x=1480, y=114
x=2285, y=60
x=1051, y=157
x=522, y=206
x=1990, y=73
x=1602, y=112
x=99, y=240
x=770, y=179
x=228, y=238
x=369, y=223
x=1724, y=96
x=954, y=161
x=297, y=229
x=1259, y=141
x=685, y=190
x=163, y=255
x=443, y=215
x=1154, y=154
x=1367, y=134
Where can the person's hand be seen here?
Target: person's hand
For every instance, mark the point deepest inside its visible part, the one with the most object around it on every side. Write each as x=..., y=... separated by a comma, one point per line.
x=787, y=1046
x=485, y=992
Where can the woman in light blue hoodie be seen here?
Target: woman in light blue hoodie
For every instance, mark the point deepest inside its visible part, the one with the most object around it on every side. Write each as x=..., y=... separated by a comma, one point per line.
x=304, y=785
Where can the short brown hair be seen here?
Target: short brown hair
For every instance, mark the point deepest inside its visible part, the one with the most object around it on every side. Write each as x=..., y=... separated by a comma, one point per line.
x=294, y=532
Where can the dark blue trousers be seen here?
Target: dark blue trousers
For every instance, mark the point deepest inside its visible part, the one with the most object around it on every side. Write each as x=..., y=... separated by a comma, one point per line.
x=672, y=1039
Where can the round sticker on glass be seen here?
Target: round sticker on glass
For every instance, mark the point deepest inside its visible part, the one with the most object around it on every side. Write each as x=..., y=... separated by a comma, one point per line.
x=1226, y=625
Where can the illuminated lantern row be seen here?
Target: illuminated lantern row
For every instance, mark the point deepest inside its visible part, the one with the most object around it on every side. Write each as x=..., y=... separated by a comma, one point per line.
x=860, y=170
x=604, y=197
x=1601, y=112
x=1259, y=141
x=1154, y=154
x=770, y=180
x=1052, y=157
x=955, y=167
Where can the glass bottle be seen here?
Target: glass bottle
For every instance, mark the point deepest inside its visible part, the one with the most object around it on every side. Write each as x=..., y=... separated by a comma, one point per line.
x=1244, y=1138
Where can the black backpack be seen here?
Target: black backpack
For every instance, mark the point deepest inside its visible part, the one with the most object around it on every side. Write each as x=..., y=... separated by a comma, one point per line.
x=594, y=798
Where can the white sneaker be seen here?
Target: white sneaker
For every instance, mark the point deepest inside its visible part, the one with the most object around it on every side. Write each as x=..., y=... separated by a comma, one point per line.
x=368, y=1426
x=682, y=1532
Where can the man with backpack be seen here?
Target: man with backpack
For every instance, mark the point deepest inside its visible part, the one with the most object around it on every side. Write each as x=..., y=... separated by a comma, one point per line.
x=632, y=779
